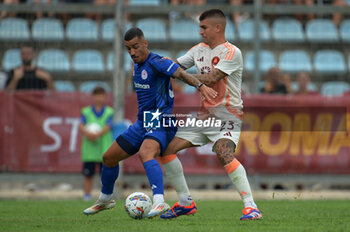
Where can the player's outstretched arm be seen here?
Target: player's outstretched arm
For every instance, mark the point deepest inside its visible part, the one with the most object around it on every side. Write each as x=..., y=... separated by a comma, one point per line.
x=176, y=62
x=190, y=79
x=211, y=78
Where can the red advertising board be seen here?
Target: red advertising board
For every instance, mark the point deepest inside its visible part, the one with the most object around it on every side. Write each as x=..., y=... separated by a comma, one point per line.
x=40, y=134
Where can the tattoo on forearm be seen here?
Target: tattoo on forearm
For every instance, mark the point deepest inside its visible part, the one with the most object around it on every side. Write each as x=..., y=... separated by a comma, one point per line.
x=211, y=78
x=186, y=77
x=225, y=150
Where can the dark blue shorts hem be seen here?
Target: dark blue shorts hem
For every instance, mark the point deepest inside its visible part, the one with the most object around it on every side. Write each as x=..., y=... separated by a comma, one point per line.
x=126, y=146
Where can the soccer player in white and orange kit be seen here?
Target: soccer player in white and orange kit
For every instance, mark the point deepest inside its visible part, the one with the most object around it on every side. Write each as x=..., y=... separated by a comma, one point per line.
x=219, y=65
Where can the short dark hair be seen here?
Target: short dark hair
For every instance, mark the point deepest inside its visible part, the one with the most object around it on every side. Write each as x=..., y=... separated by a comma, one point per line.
x=211, y=13
x=132, y=33
x=98, y=90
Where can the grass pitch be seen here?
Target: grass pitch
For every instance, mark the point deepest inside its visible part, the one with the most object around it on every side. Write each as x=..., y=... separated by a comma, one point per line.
x=294, y=215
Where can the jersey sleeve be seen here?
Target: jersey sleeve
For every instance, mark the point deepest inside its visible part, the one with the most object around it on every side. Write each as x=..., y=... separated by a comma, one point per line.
x=230, y=61
x=165, y=66
x=187, y=60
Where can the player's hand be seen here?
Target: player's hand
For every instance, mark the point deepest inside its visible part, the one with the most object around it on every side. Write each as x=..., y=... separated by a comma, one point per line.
x=42, y=75
x=207, y=93
x=18, y=73
x=91, y=136
x=268, y=87
x=167, y=58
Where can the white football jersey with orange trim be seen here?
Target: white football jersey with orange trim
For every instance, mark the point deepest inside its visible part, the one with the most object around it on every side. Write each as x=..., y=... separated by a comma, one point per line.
x=227, y=58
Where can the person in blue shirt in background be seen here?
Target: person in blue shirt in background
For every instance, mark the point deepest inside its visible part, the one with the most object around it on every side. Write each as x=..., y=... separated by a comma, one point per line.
x=155, y=97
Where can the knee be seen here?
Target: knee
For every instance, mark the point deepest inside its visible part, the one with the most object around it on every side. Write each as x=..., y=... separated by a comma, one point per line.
x=109, y=161
x=146, y=155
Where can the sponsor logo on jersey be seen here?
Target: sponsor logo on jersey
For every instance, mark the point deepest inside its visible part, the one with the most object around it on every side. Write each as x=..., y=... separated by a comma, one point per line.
x=142, y=86
x=144, y=74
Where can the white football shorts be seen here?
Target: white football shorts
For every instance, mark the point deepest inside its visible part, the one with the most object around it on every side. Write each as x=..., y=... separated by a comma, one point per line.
x=200, y=136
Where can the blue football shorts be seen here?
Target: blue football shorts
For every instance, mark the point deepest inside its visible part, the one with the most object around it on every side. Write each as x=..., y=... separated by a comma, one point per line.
x=131, y=139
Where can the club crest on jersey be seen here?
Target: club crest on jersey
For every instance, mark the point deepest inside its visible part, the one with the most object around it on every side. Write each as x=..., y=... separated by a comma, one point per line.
x=205, y=70
x=215, y=60
x=144, y=74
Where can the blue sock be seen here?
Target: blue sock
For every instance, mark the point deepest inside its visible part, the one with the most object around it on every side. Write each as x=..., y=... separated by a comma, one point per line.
x=155, y=176
x=108, y=178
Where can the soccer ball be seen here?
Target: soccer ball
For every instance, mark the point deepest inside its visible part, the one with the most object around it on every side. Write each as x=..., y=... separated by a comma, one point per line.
x=138, y=205
x=93, y=128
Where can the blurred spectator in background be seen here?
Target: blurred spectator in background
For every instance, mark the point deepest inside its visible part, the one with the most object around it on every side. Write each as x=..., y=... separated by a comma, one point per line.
x=40, y=14
x=303, y=80
x=239, y=17
x=3, y=78
x=78, y=1
x=96, y=124
x=27, y=76
x=286, y=80
x=274, y=83
x=308, y=3
x=106, y=2
x=192, y=15
x=338, y=17
x=4, y=14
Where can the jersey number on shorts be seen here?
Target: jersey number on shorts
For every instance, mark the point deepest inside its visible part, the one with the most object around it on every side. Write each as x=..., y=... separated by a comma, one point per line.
x=227, y=125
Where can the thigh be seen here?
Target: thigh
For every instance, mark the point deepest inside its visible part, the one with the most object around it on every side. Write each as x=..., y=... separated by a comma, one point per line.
x=194, y=135
x=176, y=145
x=131, y=139
x=163, y=136
x=114, y=155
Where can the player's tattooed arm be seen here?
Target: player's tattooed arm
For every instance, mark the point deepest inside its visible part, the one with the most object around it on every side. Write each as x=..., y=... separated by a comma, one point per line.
x=225, y=150
x=186, y=77
x=211, y=78
x=190, y=79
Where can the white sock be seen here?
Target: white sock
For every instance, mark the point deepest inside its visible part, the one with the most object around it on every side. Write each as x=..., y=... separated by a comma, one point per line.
x=184, y=201
x=105, y=197
x=158, y=198
x=250, y=204
x=240, y=180
x=175, y=174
